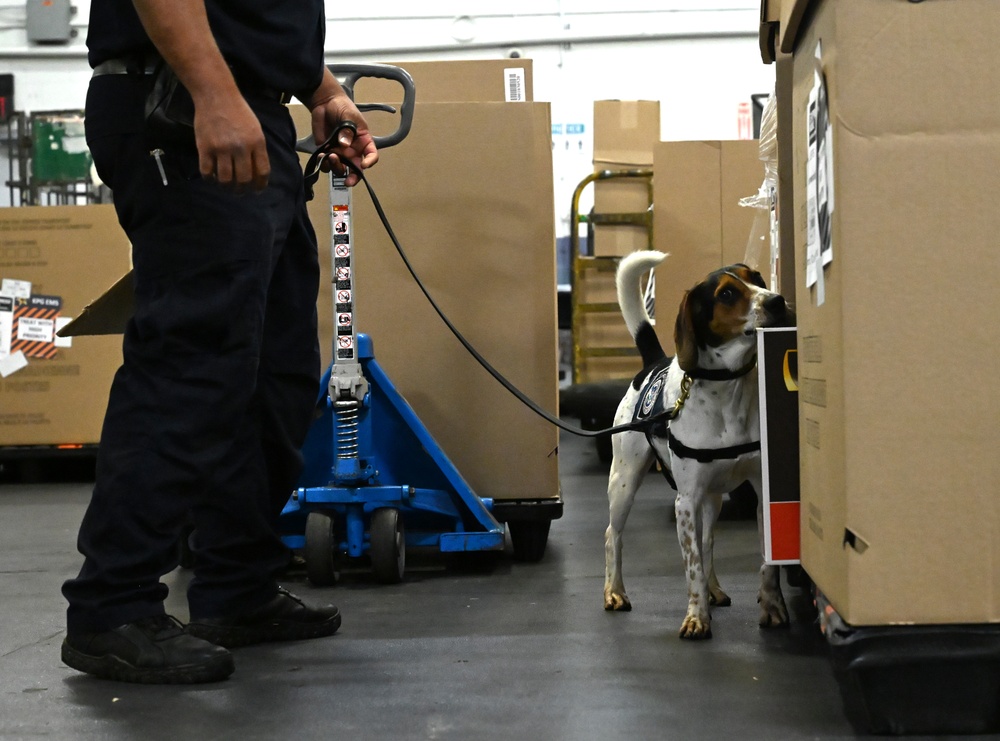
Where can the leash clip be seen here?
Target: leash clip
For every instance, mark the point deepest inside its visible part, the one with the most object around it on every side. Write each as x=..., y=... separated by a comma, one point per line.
x=686, y=384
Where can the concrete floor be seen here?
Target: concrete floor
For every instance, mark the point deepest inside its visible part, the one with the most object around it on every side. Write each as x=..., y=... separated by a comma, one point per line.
x=471, y=651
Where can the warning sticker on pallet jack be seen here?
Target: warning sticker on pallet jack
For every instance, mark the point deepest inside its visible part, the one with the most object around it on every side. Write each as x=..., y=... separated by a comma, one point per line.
x=341, y=222
x=345, y=347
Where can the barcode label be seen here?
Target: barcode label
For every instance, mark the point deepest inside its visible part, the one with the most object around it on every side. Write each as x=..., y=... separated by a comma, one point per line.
x=514, y=89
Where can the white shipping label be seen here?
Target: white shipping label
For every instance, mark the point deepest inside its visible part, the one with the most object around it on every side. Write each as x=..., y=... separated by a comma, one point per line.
x=514, y=85
x=819, y=183
x=12, y=363
x=812, y=225
x=61, y=322
x=15, y=288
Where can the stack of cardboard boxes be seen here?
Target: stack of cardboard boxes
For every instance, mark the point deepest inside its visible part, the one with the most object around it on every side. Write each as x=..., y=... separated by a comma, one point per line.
x=891, y=115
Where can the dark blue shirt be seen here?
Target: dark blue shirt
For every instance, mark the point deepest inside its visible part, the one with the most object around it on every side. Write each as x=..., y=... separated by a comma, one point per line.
x=277, y=44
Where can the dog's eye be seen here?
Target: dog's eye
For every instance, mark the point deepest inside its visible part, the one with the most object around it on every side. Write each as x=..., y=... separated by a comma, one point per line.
x=727, y=295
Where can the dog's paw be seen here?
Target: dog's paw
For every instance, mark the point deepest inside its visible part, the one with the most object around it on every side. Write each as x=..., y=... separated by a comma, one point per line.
x=695, y=628
x=718, y=598
x=617, y=602
x=773, y=612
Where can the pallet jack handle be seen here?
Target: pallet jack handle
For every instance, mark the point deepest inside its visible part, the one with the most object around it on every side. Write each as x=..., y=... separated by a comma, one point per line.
x=348, y=386
x=348, y=76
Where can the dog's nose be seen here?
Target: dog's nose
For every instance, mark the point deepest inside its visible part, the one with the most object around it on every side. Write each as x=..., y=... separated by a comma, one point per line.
x=775, y=306
x=780, y=314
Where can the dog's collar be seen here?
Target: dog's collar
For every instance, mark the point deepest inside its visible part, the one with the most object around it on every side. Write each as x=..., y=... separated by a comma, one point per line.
x=722, y=374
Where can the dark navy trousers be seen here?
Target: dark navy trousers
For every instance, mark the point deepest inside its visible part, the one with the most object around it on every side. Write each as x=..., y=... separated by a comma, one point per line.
x=220, y=373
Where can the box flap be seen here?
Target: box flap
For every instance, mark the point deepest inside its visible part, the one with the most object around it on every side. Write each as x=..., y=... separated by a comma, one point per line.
x=792, y=13
x=770, y=17
x=768, y=39
x=107, y=314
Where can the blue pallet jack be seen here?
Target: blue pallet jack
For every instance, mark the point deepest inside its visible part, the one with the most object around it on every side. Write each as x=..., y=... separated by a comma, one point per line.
x=375, y=481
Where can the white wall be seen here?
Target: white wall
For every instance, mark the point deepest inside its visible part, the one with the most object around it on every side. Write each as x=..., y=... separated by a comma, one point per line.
x=699, y=58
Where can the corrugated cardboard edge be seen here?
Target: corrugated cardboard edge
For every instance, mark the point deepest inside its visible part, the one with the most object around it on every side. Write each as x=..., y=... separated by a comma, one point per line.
x=107, y=314
x=792, y=13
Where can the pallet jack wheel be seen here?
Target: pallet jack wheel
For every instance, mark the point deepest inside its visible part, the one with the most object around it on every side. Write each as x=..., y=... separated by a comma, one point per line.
x=529, y=538
x=388, y=545
x=321, y=549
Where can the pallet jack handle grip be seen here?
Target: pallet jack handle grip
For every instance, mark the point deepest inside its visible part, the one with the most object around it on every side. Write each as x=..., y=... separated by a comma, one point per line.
x=348, y=76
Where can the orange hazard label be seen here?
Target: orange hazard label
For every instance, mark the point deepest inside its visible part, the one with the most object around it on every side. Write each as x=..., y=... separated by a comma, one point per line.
x=33, y=330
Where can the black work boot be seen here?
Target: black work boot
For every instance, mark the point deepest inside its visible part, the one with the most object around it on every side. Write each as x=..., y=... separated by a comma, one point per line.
x=284, y=618
x=153, y=650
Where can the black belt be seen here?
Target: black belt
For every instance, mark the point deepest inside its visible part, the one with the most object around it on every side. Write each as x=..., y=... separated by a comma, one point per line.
x=138, y=67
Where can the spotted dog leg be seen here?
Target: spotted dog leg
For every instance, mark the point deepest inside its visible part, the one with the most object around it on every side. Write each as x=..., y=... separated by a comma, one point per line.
x=632, y=459
x=698, y=621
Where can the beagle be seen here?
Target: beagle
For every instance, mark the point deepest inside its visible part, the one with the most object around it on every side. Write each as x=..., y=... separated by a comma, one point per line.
x=697, y=415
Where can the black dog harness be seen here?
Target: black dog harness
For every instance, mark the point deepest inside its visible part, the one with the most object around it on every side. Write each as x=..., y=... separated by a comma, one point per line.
x=653, y=417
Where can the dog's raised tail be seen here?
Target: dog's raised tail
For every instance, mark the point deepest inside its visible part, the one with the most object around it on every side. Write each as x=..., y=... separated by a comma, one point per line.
x=630, y=298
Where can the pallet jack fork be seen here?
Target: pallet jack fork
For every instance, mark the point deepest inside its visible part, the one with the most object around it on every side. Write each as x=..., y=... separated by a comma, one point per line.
x=375, y=481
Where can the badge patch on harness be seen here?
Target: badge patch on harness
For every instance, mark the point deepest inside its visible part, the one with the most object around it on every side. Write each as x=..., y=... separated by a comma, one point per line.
x=652, y=402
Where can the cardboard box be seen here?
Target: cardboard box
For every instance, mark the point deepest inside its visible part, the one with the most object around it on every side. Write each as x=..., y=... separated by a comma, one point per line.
x=625, y=133
x=485, y=248
x=698, y=219
x=898, y=370
x=53, y=260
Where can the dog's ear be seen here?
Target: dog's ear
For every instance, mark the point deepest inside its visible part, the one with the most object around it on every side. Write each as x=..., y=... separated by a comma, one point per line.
x=685, y=340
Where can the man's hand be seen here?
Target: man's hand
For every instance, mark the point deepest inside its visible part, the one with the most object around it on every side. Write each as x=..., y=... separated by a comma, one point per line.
x=231, y=145
x=331, y=106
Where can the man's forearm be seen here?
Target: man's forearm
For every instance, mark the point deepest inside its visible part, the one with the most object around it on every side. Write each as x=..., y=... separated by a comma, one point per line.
x=181, y=33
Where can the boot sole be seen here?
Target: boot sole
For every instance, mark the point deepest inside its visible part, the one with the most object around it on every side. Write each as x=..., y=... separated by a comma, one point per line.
x=114, y=668
x=236, y=636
